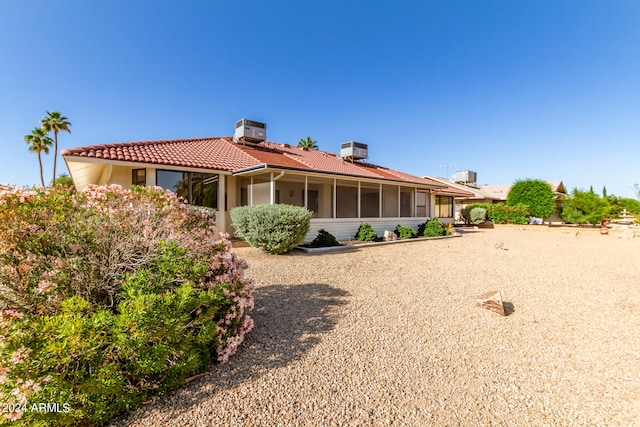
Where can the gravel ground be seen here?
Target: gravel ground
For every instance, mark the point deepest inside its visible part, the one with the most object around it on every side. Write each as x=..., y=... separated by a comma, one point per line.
x=390, y=335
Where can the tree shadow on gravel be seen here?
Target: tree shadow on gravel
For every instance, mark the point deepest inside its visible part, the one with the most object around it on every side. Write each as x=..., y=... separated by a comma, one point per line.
x=288, y=322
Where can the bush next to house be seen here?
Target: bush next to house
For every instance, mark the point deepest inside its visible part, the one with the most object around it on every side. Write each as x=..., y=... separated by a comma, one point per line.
x=500, y=213
x=366, y=233
x=405, y=232
x=109, y=297
x=536, y=194
x=466, y=213
x=324, y=239
x=275, y=228
x=434, y=228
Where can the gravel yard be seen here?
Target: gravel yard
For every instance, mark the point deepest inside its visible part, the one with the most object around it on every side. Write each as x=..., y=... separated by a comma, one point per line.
x=390, y=335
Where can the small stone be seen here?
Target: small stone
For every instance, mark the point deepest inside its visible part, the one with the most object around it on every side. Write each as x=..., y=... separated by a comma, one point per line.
x=492, y=301
x=389, y=236
x=499, y=245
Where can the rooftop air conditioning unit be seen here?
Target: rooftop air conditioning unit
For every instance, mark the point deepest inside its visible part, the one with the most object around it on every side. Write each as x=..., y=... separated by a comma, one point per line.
x=466, y=177
x=354, y=150
x=250, y=131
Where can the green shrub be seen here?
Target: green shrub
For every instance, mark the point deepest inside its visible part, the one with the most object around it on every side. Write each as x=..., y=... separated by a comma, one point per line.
x=536, y=194
x=434, y=228
x=324, y=239
x=110, y=297
x=478, y=215
x=465, y=213
x=584, y=207
x=499, y=213
x=405, y=232
x=275, y=228
x=618, y=204
x=366, y=233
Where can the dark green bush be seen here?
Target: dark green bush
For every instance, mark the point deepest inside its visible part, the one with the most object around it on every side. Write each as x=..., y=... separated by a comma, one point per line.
x=275, y=228
x=536, y=194
x=465, y=213
x=324, y=239
x=421, y=228
x=109, y=297
x=366, y=233
x=499, y=213
x=434, y=228
x=405, y=232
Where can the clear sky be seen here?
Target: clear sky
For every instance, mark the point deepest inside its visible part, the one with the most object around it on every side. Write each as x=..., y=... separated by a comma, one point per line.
x=545, y=89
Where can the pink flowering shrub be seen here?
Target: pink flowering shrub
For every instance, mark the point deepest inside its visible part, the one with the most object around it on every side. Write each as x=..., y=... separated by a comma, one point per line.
x=108, y=297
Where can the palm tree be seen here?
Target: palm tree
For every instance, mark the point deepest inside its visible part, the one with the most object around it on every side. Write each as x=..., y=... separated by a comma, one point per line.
x=308, y=143
x=55, y=121
x=39, y=142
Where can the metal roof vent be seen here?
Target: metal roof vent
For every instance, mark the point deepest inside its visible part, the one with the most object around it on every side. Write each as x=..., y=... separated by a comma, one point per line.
x=354, y=151
x=250, y=131
x=466, y=177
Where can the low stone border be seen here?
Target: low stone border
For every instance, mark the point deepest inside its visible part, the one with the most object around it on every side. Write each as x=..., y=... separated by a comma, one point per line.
x=360, y=245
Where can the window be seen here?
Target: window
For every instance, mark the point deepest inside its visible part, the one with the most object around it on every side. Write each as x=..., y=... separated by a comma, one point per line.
x=421, y=204
x=390, y=201
x=369, y=200
x=199, y=189
x=346, y=199
x=139, y=177
x=406, y=201
x=444, y=207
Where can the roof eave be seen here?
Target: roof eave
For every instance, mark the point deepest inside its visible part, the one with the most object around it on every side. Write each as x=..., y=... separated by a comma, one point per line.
x=266, y=166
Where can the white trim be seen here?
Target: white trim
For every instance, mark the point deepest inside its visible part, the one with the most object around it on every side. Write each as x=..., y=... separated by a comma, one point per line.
x=359, y=200
x=380, y=207
x=335, y=212
x=221, y=219
x=251, y=192
x=272, y=190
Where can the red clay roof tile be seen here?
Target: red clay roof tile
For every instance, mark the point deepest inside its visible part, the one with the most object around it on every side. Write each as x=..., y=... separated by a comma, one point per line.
x=222, y=153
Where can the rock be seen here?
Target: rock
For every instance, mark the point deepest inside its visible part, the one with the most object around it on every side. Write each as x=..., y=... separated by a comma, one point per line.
x=389, y=236
x=499, y=245
x=492, y=301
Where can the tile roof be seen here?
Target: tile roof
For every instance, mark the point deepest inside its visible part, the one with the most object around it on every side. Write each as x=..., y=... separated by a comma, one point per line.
x=222, y=153
x=452, y=189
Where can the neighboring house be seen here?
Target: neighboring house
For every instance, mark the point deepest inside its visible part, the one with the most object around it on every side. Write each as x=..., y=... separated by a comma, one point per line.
x=451, y=199
x=221, y=173
x=465, y=180
x=500, y=193
x=467, y=194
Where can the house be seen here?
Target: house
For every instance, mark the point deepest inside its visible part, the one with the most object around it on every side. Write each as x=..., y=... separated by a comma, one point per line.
x=497, y=193
x=466, y=195
x=343, y=191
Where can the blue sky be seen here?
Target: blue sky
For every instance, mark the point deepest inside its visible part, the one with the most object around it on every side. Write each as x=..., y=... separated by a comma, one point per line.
x=509, y=89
